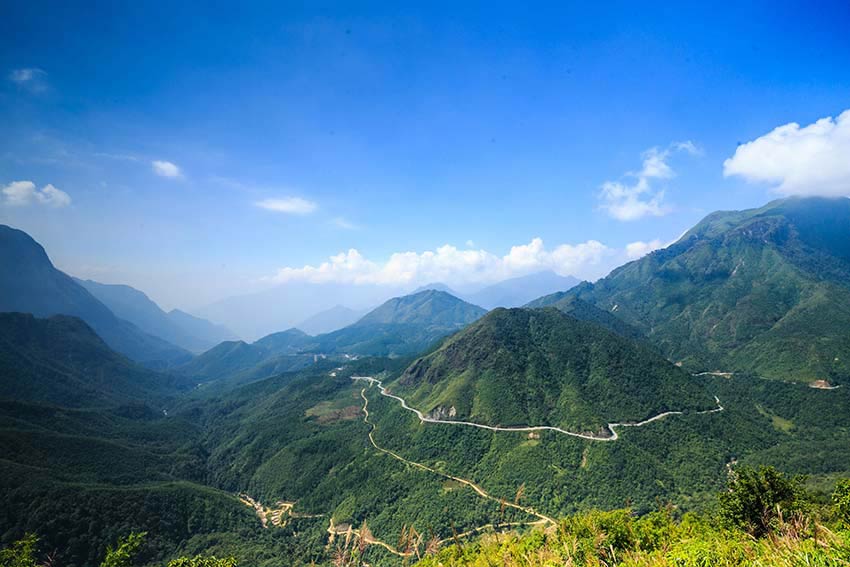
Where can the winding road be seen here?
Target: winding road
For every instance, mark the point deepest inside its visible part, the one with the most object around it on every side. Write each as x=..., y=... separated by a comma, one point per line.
x=589, y=436
x=542, y=519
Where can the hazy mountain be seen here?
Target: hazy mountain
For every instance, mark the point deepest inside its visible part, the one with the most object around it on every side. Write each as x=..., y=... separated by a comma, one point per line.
x=764, y=291
x=36, y=286
x=516, y=292
x=179, y=328
x=429, y=308
x=231, y=358
x=403, y=325
x=207, y=333
x=256, y=315
x=436, y=286
x=61, y=360
x=543, y=367
x=329, y=320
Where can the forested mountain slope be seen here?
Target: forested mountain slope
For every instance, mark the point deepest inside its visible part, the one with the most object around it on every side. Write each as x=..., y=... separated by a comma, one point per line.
x=543, y=367
x=61, y=360
x=763, y=291
x=34, y=286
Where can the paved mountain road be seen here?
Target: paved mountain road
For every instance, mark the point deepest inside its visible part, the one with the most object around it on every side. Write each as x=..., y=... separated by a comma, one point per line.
x=589, y=436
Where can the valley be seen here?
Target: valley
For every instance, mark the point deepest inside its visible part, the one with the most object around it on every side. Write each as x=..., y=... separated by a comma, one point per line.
x=429, y=423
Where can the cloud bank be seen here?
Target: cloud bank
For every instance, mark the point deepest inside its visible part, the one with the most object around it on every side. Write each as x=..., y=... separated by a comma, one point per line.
x=23, y=193
x=631, y=201
x=452, y=265
x=809, y=160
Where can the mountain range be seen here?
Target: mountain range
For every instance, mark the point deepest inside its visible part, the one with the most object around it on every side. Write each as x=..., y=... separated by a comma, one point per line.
x=764, y=291
x=428, y=412
x=36, y=286
x=177, y=327
x=331, y=319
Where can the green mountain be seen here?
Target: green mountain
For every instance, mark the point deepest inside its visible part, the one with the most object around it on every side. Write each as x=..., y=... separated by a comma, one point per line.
x=763, y=291
x=543, y=367
x=179, y=328
x=35, y=286
x=403, y=325
x=237, y=361
x=60, y=360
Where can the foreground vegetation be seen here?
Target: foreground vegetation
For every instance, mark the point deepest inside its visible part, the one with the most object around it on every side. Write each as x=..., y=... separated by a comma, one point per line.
x=764, y=518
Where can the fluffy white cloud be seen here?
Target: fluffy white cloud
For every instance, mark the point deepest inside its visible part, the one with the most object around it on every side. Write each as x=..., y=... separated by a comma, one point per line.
x=458, y=266
x=166, y=169
x=635, y=250
x=628, y=201
x=809, y=160
x=290, y=205
x=32, y=79
x=22, y=193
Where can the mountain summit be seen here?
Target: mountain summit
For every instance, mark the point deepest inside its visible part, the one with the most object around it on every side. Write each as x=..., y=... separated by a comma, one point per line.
x=403, y=325
x=543, y=367
x=763, y=291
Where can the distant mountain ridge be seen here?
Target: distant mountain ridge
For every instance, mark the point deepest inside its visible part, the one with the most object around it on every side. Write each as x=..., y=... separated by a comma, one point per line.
x=330, y=320
x=516, y=292
x=403, y=325
x=36, y=286
x=763, y=291
x=177, y=327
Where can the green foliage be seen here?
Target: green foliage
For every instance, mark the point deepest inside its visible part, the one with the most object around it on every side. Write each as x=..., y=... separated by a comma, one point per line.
x=21, y=553
x=124, y=552
x=757, y=499
x=841, y=499
x=202, y=561
x=605, y=539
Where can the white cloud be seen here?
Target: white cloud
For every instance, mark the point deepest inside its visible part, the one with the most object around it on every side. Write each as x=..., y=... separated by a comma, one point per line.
x=343, y=223
x=631, y=201
x=166, y=169
x=32, y=78
x=809, y=160
x=457, y=266
x=289, y=205
x=23, y=193
x=639, y=249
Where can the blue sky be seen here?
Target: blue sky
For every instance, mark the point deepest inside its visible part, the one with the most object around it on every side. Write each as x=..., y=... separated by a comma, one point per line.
x=401, y=128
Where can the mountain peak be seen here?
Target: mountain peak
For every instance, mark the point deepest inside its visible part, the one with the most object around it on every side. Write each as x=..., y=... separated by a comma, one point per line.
x=543, y=367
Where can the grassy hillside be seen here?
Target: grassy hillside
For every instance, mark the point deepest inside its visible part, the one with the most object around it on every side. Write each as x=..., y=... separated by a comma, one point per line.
x=763, y=291
x=542, y=367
